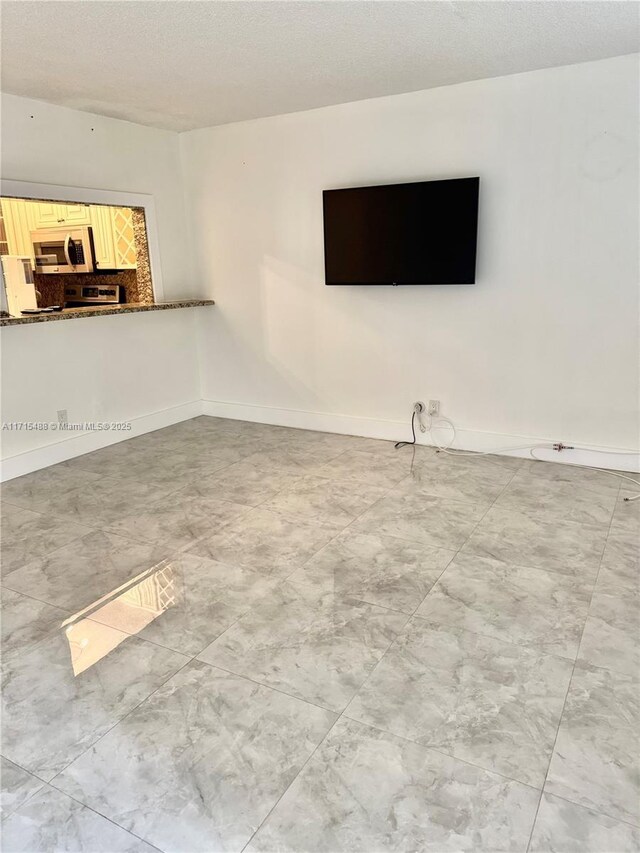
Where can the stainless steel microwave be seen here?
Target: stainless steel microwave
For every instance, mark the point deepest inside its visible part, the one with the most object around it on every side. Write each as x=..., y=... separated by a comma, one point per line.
x=63, y=250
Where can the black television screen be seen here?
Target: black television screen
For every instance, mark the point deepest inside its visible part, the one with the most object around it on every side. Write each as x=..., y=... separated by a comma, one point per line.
x=418, y=233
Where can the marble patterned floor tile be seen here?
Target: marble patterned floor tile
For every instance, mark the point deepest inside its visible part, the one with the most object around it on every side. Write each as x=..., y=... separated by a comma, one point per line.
x=458, y=478
x=365, y=790
x=245, y=437
x=186, y=465
x=554, y=500
x=200, y=599
x=50, y=715
x=244, y=429
x=199, y=424
x=7, y=509
x=620, y=567
x=564, y=827
x=360, y=466
x=329, y=501
x=519, y=539
x=377, y=445
x=631, y=487
x=105, y=501
x=199, y=765
x=25, y=622
x=529, y=607
x=611, y=636
x=626, y=517
x=490, y=460
x=243, y=483
x=309, y=644
x=78, y=574
x=161, y=461
x=188, y=434
x=411, y=453
x=559, y=472
x=27, y=535
x=439, y=522
x=491, y=703
x=286, y=460
x=381, y=570
x=17, y=787
x=51, y=821
x=329, y=443
x=266, y=541
x=36, y=491
x=110, y=461
x=595, y=759
x=194, y=758
x=180, y=519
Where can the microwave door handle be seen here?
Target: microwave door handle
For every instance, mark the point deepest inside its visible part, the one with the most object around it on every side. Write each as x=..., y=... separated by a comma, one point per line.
x=67, y=253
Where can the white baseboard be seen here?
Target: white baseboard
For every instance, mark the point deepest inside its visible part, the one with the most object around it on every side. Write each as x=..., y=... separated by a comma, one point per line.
x=78, y=445
x=508, y=445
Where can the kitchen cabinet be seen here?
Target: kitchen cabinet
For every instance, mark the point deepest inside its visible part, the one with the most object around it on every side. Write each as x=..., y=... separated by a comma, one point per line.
x=51, y=214
x=113, y=233
x=103, y=245
x=113, y=237
x=20, y=219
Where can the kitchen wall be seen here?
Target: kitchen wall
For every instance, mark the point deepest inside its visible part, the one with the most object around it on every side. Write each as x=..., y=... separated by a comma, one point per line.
x=139, y=367
x=48, y=144
x=544, y=346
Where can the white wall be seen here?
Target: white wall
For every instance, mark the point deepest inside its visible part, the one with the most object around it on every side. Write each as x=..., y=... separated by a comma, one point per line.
x=140, y=367
x=48, y=144
x=545, y=345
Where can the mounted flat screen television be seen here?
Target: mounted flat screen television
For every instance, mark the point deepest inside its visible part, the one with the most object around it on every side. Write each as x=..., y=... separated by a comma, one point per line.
x=418, y=233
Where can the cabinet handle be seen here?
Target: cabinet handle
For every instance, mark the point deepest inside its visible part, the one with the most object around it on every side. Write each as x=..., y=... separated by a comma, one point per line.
x=60, y=220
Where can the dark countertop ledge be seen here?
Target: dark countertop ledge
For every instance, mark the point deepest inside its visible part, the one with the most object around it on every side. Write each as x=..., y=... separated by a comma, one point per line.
x=100, y=311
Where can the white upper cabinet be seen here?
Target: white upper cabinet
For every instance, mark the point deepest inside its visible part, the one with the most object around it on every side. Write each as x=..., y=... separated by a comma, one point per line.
x=51, y=214
x=20, y=219
x=113, y=237
x=102, y=227
x=113, y=234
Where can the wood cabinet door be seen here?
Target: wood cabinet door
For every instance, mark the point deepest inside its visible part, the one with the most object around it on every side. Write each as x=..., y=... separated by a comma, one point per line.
x=101, y=225
x=76, y=214
x=20, y=219
x=51, y=214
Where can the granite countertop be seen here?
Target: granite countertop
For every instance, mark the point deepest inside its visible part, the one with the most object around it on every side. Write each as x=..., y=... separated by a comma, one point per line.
x=100, y=310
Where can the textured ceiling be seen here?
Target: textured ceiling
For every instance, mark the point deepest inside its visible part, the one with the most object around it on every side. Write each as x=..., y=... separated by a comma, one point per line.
x=182, y=64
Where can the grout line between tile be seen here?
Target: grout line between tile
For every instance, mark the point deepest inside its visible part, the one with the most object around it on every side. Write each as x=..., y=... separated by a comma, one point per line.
x=439, y=752
x=409, y=616
x=355, y=693
x=596, y=811
x=117, y=722
x=570, y=681
x=89, y=808
x=264, y=685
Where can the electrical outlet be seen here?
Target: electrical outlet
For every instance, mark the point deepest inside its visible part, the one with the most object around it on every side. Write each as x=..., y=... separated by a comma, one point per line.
x=434, y=408
x=63, y=417
x=419, y=408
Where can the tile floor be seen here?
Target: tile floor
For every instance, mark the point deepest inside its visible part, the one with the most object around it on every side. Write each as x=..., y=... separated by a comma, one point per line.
x=224, y=636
